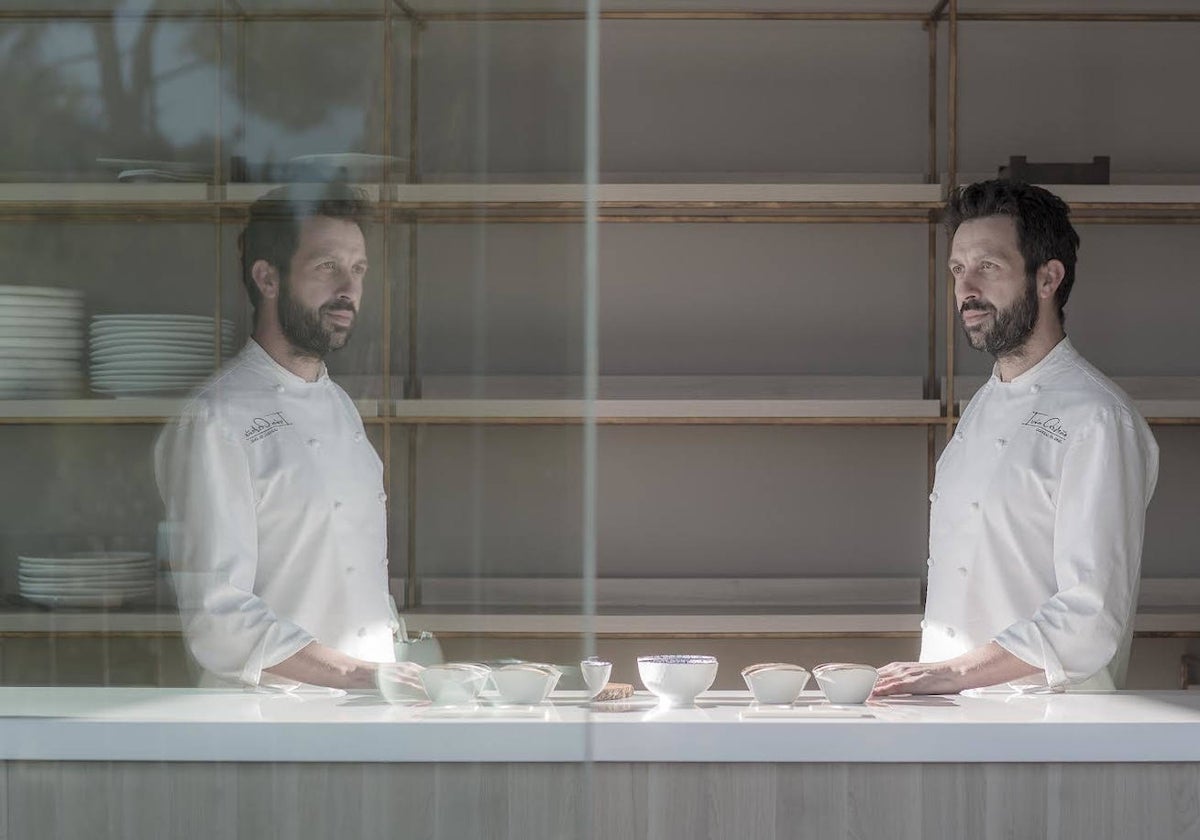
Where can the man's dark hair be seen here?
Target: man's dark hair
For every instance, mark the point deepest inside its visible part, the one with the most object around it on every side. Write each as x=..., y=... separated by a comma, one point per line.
x=272, y=232
x=1044, y=230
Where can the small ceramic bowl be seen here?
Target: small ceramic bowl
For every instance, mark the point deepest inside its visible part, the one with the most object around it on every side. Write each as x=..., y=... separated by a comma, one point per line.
x=775, y=683
x=454, y=684
x=677, y=679
x=400, y=682
x=595, y=674
x=526, y=684
x=846, y=684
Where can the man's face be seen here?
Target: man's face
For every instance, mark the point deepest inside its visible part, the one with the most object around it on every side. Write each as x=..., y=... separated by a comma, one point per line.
x=997, y=301
x=319, y=298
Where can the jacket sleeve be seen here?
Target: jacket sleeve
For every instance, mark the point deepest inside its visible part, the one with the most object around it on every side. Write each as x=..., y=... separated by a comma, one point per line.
x=1109, y=474
x=204, y=479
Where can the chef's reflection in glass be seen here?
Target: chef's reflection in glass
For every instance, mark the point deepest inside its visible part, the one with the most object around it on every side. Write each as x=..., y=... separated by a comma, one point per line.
x=1038, y=508
x=276, y=495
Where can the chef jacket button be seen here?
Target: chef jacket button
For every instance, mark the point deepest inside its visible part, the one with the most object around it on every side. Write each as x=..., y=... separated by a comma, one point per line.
x=950, y=632
x=1033, y=389
x=314, y=443
x=337, y=505
x=362, y=632
x=933, y=497
x=962, y=570
x=349, y=570
x=929, y=561
x=382, y=496
x=279, y=389
x=358, y=436
x=960, y=437
x=924, y=624
x=1001, y=443
x=974, y=505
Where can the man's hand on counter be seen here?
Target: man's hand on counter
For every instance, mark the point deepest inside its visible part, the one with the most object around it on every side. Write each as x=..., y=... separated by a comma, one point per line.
x=318, y=664
x=986, y=665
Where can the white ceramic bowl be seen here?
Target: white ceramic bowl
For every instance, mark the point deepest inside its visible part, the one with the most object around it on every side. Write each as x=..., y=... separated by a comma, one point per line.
x=677, y=679
x=595, y=674
x=846, y=684
x=775, y=683
x=455, y=684
x=526, y=684
x=400, y=682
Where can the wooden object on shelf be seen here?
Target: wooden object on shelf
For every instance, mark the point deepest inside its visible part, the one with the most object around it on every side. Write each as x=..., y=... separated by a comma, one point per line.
x=1020, y=169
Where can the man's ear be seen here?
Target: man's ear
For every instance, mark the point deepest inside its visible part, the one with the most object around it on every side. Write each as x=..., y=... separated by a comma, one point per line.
x=266, y=278
x=1049, y=278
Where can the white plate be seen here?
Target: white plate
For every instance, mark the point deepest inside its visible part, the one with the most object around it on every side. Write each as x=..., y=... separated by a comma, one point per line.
x=59, y=369
x=56, y=383
x=159, y=338
x=178, y=167
x=35, y=331
x=88, y=558
x=55, y=570
x=68, y=588
x=164, y=318
x=48, y=343
x=92, y=574
x=18, y=394
x=41, y=291
x=44, y=308
x=75, y=601
x=110, y=356
x=49, y=365
x=51, y=319
x=151, y=365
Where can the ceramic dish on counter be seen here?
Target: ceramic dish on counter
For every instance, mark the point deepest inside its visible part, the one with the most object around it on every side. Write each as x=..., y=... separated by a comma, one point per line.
x=595, y=673
x=677, y=679
x=455, y=683
x=844, y=683
x=526, y=683
x=400, y=682
x=775, y=683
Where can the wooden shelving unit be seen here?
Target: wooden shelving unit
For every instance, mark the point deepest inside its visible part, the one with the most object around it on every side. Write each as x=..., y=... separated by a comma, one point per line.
x=402, y=200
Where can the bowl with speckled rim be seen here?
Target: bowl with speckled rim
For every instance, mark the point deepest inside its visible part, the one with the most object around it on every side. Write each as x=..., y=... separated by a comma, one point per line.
x=677, y=679
x=845, y=683
x=775, y=683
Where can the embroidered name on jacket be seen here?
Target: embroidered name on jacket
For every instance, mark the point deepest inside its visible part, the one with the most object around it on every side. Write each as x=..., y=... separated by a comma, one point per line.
x=1047, y=426
x=265, y=426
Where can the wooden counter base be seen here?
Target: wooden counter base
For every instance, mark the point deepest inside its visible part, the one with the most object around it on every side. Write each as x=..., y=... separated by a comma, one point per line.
x=653, y=801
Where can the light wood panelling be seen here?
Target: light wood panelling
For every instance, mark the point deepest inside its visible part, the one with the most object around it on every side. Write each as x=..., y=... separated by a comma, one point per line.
x=65, y=801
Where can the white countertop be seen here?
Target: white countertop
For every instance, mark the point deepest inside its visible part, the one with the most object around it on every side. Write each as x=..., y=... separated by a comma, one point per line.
x=149, y=724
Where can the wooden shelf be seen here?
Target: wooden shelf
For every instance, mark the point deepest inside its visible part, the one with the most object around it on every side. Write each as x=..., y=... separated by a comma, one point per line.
x=112, y=411
x=642, y=198
x=670, y=399
x=1165, y=399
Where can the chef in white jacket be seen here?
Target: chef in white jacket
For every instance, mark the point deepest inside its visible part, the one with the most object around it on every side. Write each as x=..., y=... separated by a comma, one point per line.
x=1038, y=507
x=277, y=496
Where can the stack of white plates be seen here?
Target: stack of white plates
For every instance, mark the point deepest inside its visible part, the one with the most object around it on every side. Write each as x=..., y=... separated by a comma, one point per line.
x=41, y=342
x=92, y=579
x=133, y=355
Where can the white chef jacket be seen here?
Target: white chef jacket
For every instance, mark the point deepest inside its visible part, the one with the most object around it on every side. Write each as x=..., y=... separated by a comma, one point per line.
x=281, y=528
x=1038, y=511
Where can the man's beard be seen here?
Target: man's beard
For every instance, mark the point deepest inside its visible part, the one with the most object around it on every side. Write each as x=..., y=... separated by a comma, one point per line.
x=1010, y=327
x=305, y=329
